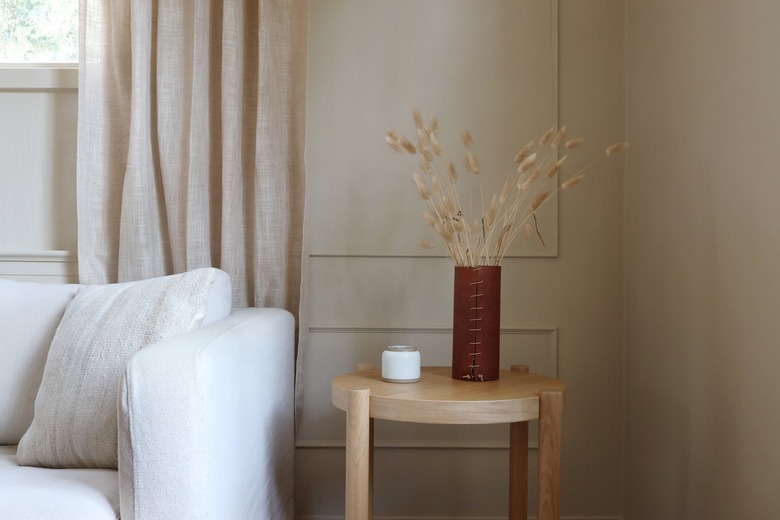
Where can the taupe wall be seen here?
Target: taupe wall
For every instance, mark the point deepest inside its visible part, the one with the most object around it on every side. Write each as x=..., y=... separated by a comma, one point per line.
x=563, y=312
x=703, y=291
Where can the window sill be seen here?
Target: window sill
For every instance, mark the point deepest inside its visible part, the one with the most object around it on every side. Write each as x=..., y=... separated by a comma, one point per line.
x=59, y=76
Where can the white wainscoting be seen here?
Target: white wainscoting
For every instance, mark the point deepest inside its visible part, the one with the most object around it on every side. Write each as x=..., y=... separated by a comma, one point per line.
x=40, y=266
x=39, y=106
x=335, y=517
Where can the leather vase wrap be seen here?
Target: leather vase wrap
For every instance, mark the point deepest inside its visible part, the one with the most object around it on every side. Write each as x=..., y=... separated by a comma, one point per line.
x=476, y=323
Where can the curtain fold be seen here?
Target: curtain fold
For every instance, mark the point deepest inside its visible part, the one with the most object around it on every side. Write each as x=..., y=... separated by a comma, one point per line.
x=191, y=140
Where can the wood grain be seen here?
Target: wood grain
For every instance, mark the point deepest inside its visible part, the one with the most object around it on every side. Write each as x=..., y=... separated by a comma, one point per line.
x=358, y=456
x=549, y=471
x=518, y=464
x=516, y=397
x=518, y=471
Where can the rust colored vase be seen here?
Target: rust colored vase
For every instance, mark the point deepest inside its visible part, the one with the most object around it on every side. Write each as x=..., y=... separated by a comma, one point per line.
x=476, y=323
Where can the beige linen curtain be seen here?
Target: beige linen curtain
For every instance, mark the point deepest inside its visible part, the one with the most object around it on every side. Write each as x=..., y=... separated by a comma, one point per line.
x=190, y=142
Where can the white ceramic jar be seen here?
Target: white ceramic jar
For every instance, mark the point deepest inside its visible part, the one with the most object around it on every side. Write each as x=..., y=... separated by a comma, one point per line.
x=401, y=364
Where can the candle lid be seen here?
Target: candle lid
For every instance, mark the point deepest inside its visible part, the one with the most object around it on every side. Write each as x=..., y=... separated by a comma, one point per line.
x=402, y=348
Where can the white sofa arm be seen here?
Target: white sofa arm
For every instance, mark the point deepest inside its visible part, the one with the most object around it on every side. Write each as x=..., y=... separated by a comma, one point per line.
x=206, y=422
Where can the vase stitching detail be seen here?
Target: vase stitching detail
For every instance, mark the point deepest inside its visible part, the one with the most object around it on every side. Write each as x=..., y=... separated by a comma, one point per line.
x=475, y=331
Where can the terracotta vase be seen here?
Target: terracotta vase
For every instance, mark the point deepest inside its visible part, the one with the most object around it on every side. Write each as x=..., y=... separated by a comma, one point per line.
x=476, y=323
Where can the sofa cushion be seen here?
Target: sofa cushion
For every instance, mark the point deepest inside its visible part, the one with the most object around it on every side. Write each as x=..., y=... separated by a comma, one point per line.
x=75, y=423
x=29, y=315
x=68, y=494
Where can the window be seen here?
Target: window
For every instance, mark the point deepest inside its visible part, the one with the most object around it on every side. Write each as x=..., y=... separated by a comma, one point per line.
x=39, y=31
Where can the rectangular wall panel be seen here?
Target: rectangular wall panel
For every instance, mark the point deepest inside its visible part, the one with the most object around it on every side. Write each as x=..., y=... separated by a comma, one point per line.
x=38, y=117
x=486, y=67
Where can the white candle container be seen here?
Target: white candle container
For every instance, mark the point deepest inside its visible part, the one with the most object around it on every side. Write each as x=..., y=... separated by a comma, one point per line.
x=401, y=364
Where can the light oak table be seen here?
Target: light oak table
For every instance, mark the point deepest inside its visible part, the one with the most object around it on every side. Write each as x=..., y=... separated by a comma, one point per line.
x=515, y=398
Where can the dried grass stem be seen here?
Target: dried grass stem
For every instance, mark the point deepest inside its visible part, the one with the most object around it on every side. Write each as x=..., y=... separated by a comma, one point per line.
x=511, y=212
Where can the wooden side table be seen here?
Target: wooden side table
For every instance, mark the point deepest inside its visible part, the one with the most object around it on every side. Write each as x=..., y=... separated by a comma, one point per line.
x=515, y=398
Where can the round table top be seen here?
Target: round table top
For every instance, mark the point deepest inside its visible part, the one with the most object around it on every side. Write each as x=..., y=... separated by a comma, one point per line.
x=439, y=399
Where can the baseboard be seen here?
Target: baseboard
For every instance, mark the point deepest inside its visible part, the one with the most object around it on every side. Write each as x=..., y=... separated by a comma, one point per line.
x=336, y=517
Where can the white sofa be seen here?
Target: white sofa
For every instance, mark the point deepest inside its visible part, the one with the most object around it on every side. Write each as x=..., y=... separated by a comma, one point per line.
x=204, y=418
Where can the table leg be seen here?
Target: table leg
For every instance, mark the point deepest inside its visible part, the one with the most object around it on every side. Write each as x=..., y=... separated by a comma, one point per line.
x=518, y=464
x=371, y=469
x=549, y=481
x=518, y=471
x=358, y=456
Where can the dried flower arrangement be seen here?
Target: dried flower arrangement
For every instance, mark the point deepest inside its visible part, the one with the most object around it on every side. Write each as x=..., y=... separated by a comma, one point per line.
x=510, y=213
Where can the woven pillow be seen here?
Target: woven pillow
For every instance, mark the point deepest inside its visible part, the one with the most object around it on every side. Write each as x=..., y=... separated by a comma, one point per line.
x=74, y=425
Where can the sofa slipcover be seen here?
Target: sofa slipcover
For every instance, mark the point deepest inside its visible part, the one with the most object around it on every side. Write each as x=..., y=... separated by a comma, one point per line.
x=205, y=429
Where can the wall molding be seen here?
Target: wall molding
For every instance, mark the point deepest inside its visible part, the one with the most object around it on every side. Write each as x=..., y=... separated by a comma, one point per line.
x=565, y=517
x=38, y=256
x=550, y=332
x=40, y=266
x=39, y=77
x=542, y=87
x=423, y=330
x=409, y=445
x=422, y=256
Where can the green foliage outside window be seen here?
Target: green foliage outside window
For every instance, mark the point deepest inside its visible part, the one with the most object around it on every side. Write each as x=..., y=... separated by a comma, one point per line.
x=39, y=31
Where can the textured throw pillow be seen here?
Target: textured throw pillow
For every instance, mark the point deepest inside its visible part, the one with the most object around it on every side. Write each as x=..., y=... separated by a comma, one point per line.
x=74, y=425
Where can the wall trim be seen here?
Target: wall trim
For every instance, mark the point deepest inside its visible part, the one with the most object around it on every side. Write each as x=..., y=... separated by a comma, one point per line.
x=548, y=40
x=40, y=266
x=565, y=517
x=311, y=444
x=422, y=330
x=38, y=256
x=550, y=332
x=538, y=254
x=39, y=77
